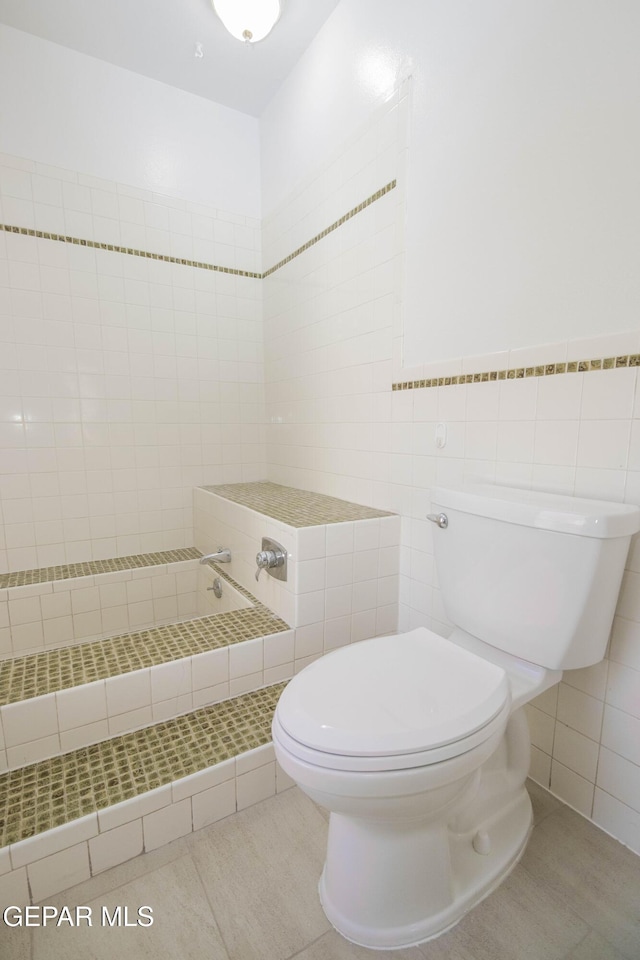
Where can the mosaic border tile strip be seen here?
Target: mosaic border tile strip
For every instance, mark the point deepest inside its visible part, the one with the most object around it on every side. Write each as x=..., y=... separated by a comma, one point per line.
x=89, y=568
x=133, y=252
x=297, y=508
x=130, y=251
x=334, y=226
x=56, y=791
x=520, y=373
x=38, y=674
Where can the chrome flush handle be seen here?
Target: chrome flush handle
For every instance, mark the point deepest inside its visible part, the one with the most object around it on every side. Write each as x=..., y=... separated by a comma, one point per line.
x=441, y=519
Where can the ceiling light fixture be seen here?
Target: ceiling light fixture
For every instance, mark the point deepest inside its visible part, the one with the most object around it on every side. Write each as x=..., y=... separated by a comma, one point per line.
x=248, y=20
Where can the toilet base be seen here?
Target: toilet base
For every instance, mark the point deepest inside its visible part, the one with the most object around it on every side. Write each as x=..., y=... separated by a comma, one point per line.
x=426, y=878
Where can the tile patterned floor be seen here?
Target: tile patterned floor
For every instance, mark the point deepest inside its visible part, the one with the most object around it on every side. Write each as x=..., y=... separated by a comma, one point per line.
x=245, y=888
x=63, y=788
x=298, y=508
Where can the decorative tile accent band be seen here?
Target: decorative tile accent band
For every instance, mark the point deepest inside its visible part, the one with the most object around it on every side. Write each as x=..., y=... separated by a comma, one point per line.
x=115, y=248
x=56, y=791
x=520, y=373
x=334, y=226
x=89, y=568
x=297, y=508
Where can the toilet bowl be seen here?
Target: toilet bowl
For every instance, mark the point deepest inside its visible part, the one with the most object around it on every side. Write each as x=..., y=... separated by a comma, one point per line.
x=418, y=745
x=390, y=734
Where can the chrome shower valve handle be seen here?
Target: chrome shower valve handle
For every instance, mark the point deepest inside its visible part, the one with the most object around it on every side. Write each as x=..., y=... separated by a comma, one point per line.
x=272, y=558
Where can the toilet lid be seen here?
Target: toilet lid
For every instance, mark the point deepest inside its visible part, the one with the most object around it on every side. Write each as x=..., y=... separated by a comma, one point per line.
x=392, y=695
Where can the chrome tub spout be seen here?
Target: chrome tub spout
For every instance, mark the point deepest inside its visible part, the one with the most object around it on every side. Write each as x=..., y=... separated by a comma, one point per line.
x=222, y=556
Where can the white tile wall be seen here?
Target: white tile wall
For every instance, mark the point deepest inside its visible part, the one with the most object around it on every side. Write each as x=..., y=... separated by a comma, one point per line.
x=333, y=325
x=123, y=381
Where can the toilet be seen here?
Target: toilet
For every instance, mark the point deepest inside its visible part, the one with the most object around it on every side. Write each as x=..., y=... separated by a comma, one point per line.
x=418, y=745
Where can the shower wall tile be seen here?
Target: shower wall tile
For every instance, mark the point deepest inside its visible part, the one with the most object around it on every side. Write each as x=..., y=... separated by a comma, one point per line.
x=125, y=380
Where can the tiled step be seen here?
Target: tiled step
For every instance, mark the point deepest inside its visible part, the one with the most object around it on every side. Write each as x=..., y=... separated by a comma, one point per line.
x=69, y=697
x=70, y=817
x=89, y=568
x=39, y=674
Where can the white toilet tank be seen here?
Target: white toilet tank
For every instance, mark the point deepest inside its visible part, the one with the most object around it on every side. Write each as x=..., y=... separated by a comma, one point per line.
x=534, y=574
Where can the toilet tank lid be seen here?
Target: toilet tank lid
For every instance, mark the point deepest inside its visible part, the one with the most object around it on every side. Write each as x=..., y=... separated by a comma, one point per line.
x=547, y=511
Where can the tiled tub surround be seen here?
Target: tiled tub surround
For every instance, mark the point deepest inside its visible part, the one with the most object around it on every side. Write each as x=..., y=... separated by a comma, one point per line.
x=182, y=773
x=88, y=606
x=120, y=745
x=66, y=819
x=343, y=557
x=73, y=696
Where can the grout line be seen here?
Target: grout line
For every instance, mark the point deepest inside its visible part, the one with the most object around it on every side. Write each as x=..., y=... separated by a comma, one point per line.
x=204, y=886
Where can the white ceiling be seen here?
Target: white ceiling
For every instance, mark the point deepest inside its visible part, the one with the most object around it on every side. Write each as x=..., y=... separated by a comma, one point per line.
x=157, y=38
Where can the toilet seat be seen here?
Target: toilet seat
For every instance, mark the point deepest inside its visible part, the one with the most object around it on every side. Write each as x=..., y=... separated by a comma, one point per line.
x=390, y=703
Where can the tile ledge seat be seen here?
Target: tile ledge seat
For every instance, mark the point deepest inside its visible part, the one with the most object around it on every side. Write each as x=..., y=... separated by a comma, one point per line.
x=292, y=506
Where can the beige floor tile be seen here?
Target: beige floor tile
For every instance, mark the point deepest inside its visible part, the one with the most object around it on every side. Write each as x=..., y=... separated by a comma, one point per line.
x=542, y=801
x=595, y=947
x=15, y=944
x=246, y=888
x=590, y=872
x=331, y=946
x=125, y=873
x=519, y=921
x=183, y=925
x=260, y=869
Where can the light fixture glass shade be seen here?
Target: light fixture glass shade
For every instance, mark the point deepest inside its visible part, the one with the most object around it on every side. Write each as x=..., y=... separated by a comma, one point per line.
x=248, y=20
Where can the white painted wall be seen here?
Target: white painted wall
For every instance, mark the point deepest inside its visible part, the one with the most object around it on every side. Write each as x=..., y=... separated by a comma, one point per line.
x=522, y=184
x=68, y=110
